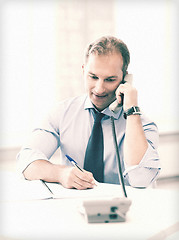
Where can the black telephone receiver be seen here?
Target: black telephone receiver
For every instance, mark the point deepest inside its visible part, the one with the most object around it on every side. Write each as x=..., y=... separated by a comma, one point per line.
x=114, y=106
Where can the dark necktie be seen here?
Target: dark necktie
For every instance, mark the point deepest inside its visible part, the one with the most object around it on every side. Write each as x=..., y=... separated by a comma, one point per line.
x=94, y=151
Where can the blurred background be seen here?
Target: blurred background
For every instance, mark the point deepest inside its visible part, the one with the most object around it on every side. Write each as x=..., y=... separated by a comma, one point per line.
x=42, y=45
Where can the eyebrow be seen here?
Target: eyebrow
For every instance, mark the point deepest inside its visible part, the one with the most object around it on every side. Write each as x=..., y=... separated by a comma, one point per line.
x=112, y=77
x=105, y=78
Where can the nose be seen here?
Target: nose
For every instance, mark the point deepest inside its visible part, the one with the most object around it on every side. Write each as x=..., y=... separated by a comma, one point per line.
x=99, y=86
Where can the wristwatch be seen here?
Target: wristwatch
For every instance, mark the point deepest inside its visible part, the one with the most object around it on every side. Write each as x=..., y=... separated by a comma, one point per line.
x=132, y=111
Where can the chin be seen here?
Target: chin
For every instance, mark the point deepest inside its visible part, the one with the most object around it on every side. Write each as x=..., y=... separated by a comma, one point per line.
x=100, y=104
x=100, y=107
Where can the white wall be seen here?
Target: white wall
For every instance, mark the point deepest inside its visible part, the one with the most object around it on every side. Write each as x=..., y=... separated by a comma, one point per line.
x=169, y=152
x=150, y=29
x=42, y=53
x=42, y=47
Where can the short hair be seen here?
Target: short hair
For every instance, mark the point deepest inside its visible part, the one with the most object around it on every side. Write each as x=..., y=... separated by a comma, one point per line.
x=108, y=45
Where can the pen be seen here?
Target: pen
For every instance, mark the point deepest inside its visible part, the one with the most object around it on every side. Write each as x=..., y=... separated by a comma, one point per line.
x=47, y=186
x=75, y=164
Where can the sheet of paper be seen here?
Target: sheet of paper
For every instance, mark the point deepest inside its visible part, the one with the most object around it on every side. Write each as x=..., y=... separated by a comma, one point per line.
x=101, y=190
x=13, y=188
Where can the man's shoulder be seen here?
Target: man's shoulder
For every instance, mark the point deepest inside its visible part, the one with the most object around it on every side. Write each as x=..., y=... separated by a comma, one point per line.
x=74, y=101
x=71, y=104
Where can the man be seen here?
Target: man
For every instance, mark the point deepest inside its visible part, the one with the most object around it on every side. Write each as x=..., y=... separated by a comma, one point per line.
x=70, y=123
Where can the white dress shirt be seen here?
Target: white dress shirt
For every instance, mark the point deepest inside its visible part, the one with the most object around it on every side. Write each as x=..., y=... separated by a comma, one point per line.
x=69, y=126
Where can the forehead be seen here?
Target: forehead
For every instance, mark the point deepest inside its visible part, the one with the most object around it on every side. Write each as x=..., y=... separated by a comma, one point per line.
x=109, y=64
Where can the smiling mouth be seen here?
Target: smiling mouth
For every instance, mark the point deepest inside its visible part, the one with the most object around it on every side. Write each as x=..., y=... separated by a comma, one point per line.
x=99, y=96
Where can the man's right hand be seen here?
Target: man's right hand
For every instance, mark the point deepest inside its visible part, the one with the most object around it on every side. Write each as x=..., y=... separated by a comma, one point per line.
x=69, y=177
x=72, y=177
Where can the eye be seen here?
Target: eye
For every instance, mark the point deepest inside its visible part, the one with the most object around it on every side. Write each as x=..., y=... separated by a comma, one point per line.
x=93, y=77
x=110, y=79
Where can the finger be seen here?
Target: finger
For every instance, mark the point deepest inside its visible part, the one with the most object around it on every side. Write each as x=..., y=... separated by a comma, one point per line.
x=85, y=176
x=90, y=176
x=80, y=184
x=120, y=99
x=78, y=187
x=83, y=179
x=119, y=93
x=122, y=88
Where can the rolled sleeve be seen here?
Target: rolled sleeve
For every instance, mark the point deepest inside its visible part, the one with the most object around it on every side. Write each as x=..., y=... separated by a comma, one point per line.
x=41, y=146
x=145, y=173
x=26, y=156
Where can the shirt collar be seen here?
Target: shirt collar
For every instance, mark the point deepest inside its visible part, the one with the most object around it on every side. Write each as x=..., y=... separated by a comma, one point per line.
x=88, y=105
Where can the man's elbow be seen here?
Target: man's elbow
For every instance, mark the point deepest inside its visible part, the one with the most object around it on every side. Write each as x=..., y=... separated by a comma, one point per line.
x=143, y=178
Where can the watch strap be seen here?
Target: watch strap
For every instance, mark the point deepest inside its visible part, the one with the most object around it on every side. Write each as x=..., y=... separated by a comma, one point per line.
x=132, y=111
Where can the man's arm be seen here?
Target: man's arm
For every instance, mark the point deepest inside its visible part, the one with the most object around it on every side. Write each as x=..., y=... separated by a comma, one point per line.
x=140, y=144
x=34, y=164
x=135, y=143
x=69, y=177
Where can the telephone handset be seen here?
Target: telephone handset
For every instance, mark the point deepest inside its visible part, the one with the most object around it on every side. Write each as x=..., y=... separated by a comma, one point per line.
x=114, y=106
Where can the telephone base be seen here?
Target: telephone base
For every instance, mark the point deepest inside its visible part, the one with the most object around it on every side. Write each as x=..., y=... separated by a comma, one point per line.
x=106, y=210
x=104, y=218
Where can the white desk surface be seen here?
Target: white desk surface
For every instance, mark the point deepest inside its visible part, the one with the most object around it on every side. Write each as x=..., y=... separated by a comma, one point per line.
x=153, y=215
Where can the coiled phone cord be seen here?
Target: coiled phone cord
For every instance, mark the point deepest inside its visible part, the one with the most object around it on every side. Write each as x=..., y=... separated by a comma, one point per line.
x=118, y=158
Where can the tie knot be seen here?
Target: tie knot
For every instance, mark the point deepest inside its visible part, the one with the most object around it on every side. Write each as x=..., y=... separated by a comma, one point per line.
x=98, y=117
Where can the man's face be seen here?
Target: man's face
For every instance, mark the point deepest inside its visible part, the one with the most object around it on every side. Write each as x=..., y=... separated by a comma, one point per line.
x=103, y=75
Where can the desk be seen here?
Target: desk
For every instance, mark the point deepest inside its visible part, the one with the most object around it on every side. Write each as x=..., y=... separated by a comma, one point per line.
x=152, y=215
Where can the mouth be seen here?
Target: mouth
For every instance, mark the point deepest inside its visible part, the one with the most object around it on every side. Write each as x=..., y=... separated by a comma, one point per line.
x=101, y=101
x=99, y=96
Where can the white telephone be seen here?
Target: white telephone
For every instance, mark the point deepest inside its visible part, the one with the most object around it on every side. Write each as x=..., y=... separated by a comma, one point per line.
x=114, y=106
